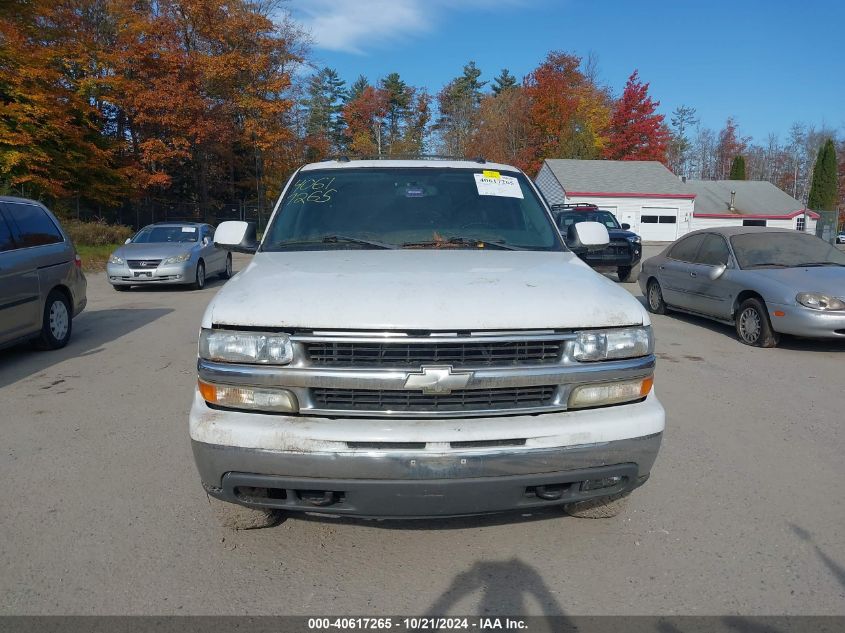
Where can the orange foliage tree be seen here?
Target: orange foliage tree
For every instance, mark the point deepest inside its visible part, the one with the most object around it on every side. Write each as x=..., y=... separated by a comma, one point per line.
x=636, y=131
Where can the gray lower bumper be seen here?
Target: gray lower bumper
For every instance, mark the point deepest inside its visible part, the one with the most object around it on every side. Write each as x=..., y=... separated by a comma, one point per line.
x=416, y=484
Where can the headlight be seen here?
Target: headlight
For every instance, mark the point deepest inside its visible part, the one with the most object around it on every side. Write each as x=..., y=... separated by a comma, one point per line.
x=635, y=238
x=629, y=342
x=114, y=259
x=177, y=259
x=818, y=301
x=259, y=399
x=610, y=393
x=245, y=347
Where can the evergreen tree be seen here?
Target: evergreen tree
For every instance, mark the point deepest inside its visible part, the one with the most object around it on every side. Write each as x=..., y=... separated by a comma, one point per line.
x=399, y=98
x=823, y=190
x=358, y=87
x=459, y=102
x=737, y=168
x=503, y=82
x=326, y=95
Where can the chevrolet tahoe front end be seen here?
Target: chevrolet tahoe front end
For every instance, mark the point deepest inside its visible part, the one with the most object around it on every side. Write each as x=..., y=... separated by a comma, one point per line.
x=406, y=380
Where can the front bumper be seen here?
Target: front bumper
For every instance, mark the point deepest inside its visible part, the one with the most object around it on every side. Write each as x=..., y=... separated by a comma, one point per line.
x=800, y=321
x=122, y=275
x=317, y=465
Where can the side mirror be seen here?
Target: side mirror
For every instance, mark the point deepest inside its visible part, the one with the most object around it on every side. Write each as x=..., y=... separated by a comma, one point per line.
x=717, y=272
x=236, y=236
x=128, y=239
x=626, y=226
x=587, y=236
x=205, y=241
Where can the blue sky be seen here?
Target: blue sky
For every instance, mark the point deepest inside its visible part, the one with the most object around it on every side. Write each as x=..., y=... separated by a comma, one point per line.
x=768, y=63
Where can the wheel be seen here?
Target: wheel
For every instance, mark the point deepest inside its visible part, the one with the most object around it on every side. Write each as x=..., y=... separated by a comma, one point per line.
x=227, y=271
x=121, y=288
x=600, y=508
x=753, y=326
x=628, y=274
x=56, y=324
x=199, y=282
x=238, y=517
x=654, y=298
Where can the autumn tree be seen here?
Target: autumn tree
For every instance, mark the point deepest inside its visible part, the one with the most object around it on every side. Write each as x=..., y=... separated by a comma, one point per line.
x=636, y=131
x=569, y=113
x=825, y=188
x=737, y=168
x=503, y=131
x=364, y=118
x=729, y=145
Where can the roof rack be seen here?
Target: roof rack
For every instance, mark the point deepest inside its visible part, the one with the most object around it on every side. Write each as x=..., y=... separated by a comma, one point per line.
x=573, y=206
x=345, y=159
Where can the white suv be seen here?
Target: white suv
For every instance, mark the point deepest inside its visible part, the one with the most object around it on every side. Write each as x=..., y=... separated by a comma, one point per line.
x=414, y=339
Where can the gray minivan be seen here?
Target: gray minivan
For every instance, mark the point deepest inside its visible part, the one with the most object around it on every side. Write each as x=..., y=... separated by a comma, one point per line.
x=41, y=282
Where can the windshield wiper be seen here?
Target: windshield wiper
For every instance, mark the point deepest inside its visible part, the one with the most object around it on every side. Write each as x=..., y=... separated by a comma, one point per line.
x=807, y=264
x=335, y=239
x=767, y=264
x=462, y=241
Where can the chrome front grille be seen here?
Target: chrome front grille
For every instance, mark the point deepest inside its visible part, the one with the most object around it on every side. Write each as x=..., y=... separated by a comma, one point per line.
x=456, y=401
x=456, y=354
x=446, y=375
x=143, y=263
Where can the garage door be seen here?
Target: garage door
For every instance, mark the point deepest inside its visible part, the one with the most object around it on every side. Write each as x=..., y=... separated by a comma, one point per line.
x=659, y=224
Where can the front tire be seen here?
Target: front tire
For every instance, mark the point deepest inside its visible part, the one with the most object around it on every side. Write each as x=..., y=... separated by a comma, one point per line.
x=227, y=271
x=628, y=274
x=237, y=517
x=753, y=326
x=199, y=280
x=654, y=298
x=600, y=508
x=57, y=322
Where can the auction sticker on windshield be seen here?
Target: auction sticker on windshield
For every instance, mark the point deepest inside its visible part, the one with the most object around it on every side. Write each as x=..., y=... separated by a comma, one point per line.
x=498, y=185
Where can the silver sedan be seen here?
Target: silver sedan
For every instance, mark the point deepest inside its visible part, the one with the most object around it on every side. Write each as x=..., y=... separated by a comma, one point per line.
x=169, y=253
x=765, y=282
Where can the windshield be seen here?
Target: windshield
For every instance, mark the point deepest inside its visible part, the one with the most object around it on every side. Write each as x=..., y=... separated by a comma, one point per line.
x=568, y=218
x=784, y=250
x=410, y=208
x=158, y=234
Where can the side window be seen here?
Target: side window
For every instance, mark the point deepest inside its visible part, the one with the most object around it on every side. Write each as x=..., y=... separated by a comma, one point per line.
x=7, y=242
x=686, y=249
x=35, y=227
x=714, y=251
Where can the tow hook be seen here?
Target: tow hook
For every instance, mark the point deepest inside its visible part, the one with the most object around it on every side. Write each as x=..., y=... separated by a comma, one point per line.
x=549, y=493
x=317, y=497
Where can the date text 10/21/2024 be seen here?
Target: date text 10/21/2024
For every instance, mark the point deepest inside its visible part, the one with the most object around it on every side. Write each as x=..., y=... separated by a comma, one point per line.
x=418, y=623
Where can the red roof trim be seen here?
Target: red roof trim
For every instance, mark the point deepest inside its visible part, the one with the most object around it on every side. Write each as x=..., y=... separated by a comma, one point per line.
x=756, y=216
x=619, y=194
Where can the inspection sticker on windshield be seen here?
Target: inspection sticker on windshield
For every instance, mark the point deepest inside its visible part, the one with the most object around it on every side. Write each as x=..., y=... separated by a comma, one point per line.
x=506, y=186
x=189, y=229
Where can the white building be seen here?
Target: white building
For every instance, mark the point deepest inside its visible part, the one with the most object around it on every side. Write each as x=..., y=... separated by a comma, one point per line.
x=747, y=203
x=644, y=194
x=660, y=207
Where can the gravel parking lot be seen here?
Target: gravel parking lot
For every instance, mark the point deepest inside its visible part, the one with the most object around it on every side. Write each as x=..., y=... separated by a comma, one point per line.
x=103, y=512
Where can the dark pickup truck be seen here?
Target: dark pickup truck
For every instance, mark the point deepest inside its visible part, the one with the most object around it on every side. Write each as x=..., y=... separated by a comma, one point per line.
x=625, y=250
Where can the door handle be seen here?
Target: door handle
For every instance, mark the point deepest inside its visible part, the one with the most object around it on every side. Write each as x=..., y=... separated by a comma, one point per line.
x=693, y=275
x=662, y=267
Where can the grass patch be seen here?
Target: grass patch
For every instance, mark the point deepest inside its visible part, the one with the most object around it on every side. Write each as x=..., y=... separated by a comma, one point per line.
x=95, y=258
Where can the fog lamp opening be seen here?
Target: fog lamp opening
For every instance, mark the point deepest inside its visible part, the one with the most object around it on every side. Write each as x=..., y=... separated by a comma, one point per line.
x=604, y=482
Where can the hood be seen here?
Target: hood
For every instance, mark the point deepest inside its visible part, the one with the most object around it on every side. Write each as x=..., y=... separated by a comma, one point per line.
x=829, y=280
x=154, y=250
x=422, y=290
x=620, y=234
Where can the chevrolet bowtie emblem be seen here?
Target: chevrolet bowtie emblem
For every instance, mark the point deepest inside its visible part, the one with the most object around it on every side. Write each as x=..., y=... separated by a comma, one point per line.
x=440, y=380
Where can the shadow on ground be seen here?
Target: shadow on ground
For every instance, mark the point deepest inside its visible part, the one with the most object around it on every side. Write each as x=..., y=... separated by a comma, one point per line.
x=91, y=330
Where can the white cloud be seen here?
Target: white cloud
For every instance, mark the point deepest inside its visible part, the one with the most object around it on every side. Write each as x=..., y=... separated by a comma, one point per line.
x=354, y=26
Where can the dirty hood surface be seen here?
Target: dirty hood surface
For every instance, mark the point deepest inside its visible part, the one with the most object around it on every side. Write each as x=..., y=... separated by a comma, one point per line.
x=443, y=290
